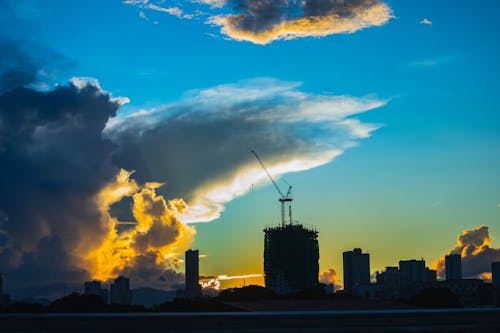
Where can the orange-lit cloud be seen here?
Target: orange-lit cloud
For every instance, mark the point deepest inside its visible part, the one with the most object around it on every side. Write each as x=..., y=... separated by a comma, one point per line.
x=215, y=282
x=263, y=21
x=475, y=248
x=158, y=233
x=330, y=276
x=235, y=27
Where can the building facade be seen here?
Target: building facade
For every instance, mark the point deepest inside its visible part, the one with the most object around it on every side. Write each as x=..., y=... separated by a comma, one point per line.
x=453, y=266
x=495, y=274
x=291, y=254
x=120, y=291
x=94, y=288
x=356, y=270
x=412, y=271
x=192, y=276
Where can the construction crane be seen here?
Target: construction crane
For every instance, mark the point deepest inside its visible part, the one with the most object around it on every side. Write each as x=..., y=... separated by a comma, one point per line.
x=284, y=199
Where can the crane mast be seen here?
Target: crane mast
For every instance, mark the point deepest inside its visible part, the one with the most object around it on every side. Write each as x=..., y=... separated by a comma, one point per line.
x=284, y=199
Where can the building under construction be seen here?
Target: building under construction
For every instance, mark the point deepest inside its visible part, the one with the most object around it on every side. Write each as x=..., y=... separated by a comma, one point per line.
x=291, y=254
x=291, y=251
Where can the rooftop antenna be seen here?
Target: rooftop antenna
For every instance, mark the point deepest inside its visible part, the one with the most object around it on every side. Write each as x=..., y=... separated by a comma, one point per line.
x=284, y=199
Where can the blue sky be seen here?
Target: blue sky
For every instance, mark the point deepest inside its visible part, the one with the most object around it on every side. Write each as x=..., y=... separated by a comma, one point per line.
x=430, y=170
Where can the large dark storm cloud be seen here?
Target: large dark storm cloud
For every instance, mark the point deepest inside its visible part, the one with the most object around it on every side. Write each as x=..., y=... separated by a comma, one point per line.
x=52, y=162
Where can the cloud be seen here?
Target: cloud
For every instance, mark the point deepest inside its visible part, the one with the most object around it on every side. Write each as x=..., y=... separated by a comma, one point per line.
x=200, y=146
x=330, y=276
x=176, y=11
x=265, y=21
x=432, y=62
x=53, y=161
x=475, y=247
x=213, y=283
x=153, y=242
x=58, y=184
x=213, y=3
x=18, y=68
x=426, y=21
x=65, y=152
x=146, y=4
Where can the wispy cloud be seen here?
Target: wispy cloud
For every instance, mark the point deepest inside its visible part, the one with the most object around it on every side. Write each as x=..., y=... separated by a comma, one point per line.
x=149, y=5
x=432, y=62
x=176, y=11
x=262, y=22
x=426, y=21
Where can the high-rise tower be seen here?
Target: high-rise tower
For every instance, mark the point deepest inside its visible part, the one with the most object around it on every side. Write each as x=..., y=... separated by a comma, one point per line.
x=356, y=269
x=291, y=254
x=193, y=288
x=453, y=266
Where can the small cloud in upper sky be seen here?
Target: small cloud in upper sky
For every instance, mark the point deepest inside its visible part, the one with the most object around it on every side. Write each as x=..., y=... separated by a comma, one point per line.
x=143, y=16
x=432, y=62
x=264, y=21
x=426, y=21
x=212, y=3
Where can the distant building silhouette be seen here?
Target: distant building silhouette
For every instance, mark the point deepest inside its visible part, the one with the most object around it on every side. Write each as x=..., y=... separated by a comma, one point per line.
x=192, y=276
x=405, y=281
x=495, y=274
x=356, y=270
x=291, y=254
x=4, y=298
x=430, y=275
x=120, y=291
x=453, y=266
x=390, y=280
x=412, y=271
x=94, y=288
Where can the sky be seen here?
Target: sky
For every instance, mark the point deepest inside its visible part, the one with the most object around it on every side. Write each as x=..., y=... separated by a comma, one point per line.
x=126, y=129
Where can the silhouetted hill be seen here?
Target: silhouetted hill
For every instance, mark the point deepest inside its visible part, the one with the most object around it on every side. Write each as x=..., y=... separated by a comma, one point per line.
x=78, y=303
x=150, y=297
x=247, y=293
x=198, y=305
x=436, y=298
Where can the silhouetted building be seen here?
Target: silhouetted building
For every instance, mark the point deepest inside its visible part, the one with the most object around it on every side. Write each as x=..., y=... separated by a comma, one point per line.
x=453, y=266
x=495, y=274
x=120, y=291
x=94, y=288
x=412, y=271
x=192, y=276
x=405, y=281
x=4, y=298
x=390, y=281
x=467, y=290
x=329, y=288
x=291, y=254
x=356, y=270
x=430, y=275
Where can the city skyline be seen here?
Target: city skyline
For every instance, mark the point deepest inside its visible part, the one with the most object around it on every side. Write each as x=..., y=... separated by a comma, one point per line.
x=126, y=131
